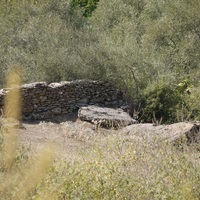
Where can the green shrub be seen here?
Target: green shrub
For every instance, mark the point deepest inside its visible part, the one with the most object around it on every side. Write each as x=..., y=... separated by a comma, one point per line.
x=162, y=101
x=193, y=103
x=88, y=6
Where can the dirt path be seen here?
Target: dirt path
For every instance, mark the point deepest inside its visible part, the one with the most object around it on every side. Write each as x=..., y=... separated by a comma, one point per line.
x=69, y=134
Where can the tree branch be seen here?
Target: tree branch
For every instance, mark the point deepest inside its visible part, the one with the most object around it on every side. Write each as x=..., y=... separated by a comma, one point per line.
x=135, y=80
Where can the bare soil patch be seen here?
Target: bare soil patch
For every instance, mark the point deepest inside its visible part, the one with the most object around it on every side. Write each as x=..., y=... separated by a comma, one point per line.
x=68, y=133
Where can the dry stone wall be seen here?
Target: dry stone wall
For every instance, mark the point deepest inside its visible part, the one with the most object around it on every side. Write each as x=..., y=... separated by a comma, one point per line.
x=42, y=101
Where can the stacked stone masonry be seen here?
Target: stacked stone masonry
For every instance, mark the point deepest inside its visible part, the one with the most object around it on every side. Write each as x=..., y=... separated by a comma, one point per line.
x=42, y=101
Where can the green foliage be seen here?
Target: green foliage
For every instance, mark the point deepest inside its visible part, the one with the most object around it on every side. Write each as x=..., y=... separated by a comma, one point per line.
x=170, y=102
x=184, y=86
x=88, y=6
x=162, y=101
x=193, y=103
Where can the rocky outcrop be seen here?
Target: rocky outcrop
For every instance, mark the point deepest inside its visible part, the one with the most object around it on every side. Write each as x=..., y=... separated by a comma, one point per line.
x=105, y=117
x=176, y=133
x=42, y=101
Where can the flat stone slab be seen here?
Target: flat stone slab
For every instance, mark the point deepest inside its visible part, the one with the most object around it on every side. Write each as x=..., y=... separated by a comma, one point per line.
x=105, y=117
x=178, y=132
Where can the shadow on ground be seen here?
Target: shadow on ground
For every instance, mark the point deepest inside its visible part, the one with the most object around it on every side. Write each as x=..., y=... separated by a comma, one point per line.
x=70, y=117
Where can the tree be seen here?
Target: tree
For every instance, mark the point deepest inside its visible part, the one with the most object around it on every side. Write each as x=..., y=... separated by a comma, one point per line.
x=172, y=39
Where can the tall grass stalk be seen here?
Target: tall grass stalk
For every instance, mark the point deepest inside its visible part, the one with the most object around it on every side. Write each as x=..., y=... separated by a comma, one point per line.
x=12, y=109
x=18, y=181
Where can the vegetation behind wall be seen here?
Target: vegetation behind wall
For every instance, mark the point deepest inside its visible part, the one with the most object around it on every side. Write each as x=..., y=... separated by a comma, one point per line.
x=133, y=44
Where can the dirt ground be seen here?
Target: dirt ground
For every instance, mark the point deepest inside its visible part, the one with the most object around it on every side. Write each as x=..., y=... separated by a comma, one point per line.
x=68, y=133
x=71, y=135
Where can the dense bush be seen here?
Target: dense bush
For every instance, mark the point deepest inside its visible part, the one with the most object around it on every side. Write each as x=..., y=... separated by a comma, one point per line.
x=193, y=103
x=162, y=102
x=168, y=102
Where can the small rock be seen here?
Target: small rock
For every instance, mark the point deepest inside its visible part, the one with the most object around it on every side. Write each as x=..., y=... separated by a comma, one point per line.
x=42, y=99
x=57, y=111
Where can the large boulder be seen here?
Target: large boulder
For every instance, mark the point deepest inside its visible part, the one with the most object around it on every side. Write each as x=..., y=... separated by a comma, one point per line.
x=177, y=133
x=105, y=117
